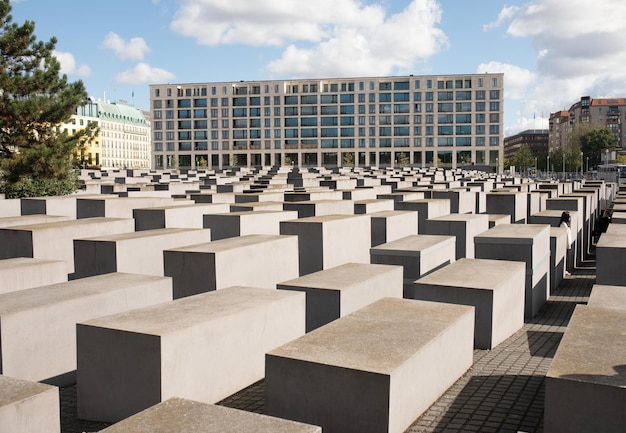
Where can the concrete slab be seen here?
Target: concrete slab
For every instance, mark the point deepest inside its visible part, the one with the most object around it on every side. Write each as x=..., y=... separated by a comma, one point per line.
x=462, y=201
x=417, y=254
x=38, y=333
x=23, y=220
x=233, y=224
x=528, y=243
x=263, y=206
x=495, y=288
x=117, y=207
x=511, y=203
x=308, y=209
x=388, y=226
x=611, y=256
x=250, y=260
x=497, y=219
x=55, y=240
x=10, y=207
x=607, y=296
x=136, y=253
x=462, y=226
x=373, y=206
x=186, y=216
x=204, y=347
x=426, y=208
x=28, y=407
x=339, y=291
x=328, y=241
x=373, y=370
x=586, y=382
x=185, y=416
x=25, y=273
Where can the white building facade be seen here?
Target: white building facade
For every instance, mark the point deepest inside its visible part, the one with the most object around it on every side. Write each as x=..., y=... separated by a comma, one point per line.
x=445, y=121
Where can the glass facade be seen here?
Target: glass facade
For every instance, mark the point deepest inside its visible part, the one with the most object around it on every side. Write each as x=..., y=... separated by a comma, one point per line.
x=311, y=121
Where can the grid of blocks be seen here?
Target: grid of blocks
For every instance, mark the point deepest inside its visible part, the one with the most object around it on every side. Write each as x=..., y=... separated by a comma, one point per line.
x=356, y=312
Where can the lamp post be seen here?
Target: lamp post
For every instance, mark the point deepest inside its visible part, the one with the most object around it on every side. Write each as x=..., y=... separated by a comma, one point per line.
x=563, y=165
x=548, y=165
x=581, y=165
x=497, y=165
x=587, y=167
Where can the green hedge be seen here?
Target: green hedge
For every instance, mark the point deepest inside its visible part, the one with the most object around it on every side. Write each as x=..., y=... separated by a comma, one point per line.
x=29, y=187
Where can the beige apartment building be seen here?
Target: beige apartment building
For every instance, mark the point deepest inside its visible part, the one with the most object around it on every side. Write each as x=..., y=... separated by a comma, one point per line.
x=444, y=120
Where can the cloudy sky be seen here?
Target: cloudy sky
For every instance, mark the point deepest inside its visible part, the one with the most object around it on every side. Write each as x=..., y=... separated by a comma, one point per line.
x=551, y=51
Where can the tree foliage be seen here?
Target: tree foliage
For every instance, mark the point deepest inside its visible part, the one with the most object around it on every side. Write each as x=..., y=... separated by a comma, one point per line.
x=594, y=142
x=523, y=158
x=35, y=99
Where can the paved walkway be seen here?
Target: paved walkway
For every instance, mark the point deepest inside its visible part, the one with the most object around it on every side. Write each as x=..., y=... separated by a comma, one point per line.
x=502, y=392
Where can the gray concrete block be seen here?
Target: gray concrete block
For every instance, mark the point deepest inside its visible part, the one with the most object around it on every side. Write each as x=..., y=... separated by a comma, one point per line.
x=186, y=216
x=495, y=288
x=339, y=291
x=308, y=209
x=250, y=260
x=462, y=226
x=611, y=256
x=55, y=240
x=426, y=208
x=375, y=370
x=25, y=273
x=185, y=416
x=388, y=226
x=586, y=382
x=204, y=347
x=28, y=407
x=511, y=203
x=117, y=207
x=528, y=243
x=328, y=241
x=233, y=224
x=607, y=296
x=38, y=333
x=136, y=253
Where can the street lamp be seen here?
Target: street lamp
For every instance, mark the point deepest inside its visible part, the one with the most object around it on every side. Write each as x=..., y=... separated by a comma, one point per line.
x=587, y=167
x=548, y=165
x=581, y=165
x=497, y=165
x=563, y=165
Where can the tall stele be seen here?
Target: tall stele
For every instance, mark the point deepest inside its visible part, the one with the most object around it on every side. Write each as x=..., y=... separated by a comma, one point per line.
x=35, y=98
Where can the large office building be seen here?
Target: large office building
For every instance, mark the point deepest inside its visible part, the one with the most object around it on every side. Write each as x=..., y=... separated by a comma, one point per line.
x=535, y=139
x=445, y=121
x=123, y=140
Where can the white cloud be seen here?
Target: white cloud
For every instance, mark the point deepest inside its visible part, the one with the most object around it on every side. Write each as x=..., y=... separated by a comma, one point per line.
x=325, y=37
x=516, y=80
x=505, y=14
x=69, y=65
x=580, y=50
x=135, y=49
x=143, y=73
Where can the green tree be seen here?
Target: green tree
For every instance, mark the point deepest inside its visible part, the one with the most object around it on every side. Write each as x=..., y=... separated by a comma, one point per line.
x=523, y=158
x=348, y=159
x=35, y=99
x=594, y=142
x=556, y=160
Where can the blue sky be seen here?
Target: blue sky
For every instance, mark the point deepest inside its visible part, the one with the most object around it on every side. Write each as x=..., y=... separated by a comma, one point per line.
x=551, y=51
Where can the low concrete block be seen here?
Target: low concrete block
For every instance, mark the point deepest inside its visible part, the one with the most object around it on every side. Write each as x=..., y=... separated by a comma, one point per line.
x=38, y=333
x=23, y=220
x=328, y=241
x=339, y=291
x=117, y=207
x=511, y=203
x=585, y=384
x=607, y=296
x=495, y=288
x=417, y=254
x=204, y=347
x=183, y=415
x=462, y=201
x=308, y=209
x=497, y=219
x=462, y=226
x=388, y=226
x=10, y=207
x=186, y=216
x=52, y=205
x=55, y=240
x=558, y=256
x=250, y=260
x=373, y=206
x=611, y=256
x=233, y=224
x=426, y=208
x=262, y=206
x=136, y=253
x=25, y=273
x=28, y=407
x=375, y=370
x=528, y=243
